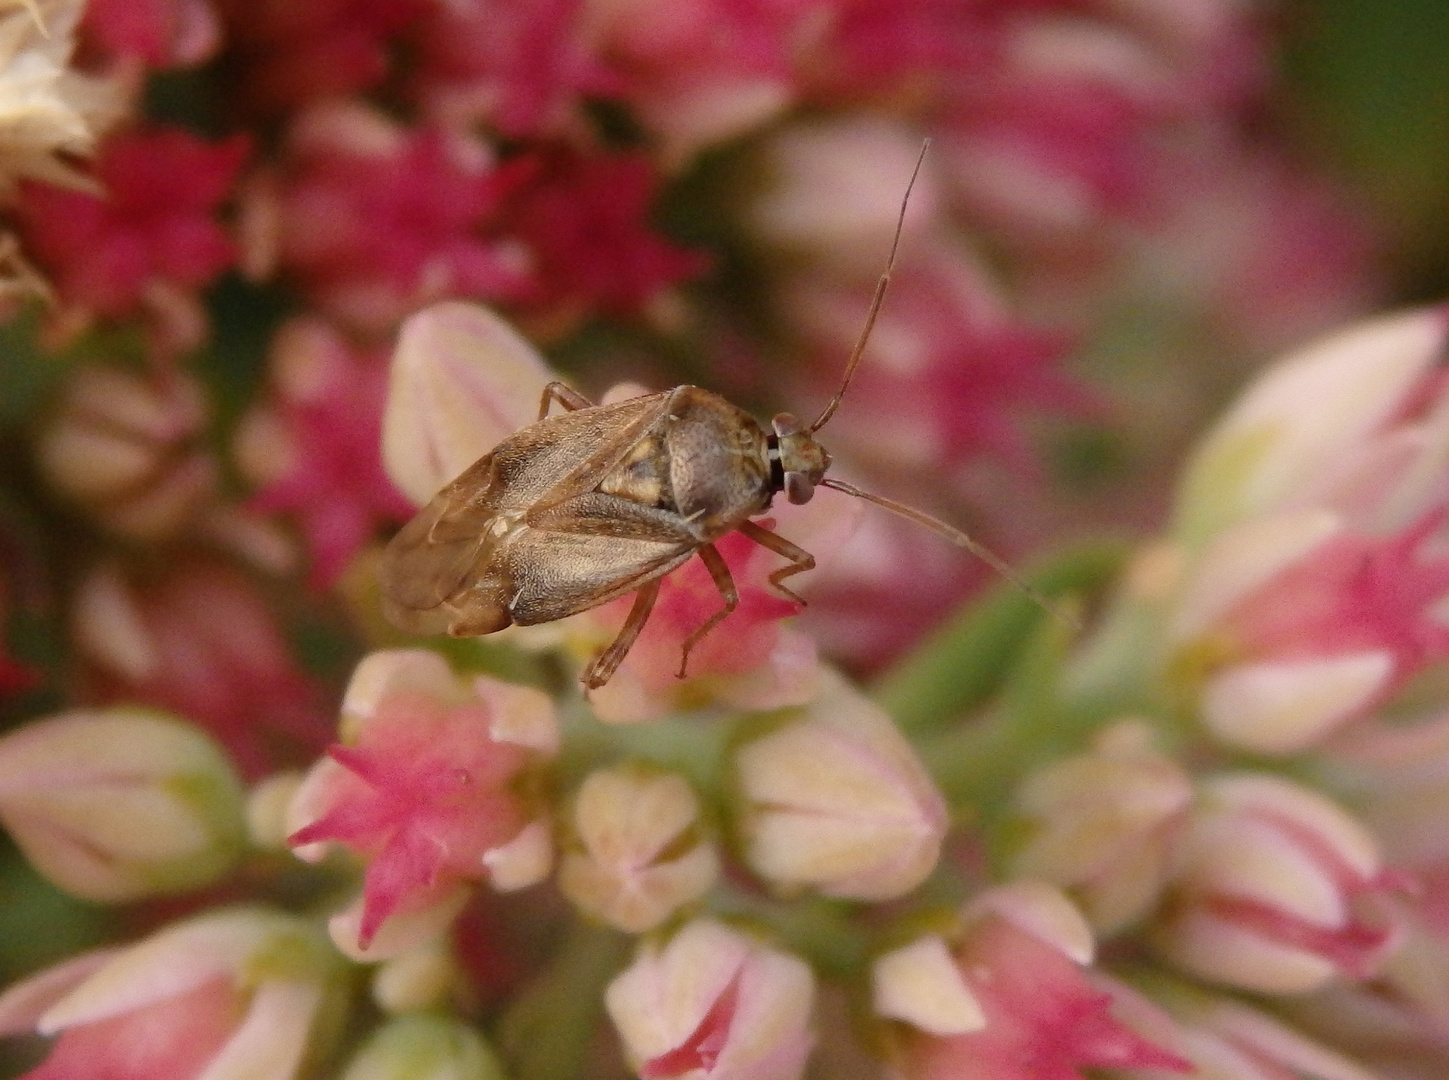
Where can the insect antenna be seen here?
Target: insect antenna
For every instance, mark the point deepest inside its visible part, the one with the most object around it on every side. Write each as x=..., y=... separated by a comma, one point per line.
x=961, y=540
x=875, y=303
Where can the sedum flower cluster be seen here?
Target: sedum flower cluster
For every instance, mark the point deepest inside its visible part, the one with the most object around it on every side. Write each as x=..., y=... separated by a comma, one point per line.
x=272, y=275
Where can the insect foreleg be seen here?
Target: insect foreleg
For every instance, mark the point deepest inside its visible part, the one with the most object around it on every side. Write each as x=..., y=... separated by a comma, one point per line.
x=800, y=559
x=603, y=666
x=720, y=572
x=565, y=395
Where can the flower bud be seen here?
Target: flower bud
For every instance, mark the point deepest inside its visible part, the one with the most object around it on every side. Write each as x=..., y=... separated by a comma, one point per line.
x=230, y=995
x=713, y=999
x=1003, y=995
x=1275, y=889
x=1103, y=824
x=431, y=787
x=421, y=978
x=131, y=450
x=637, y=854
x=462, y=381
x=835, y=799
x=199, y=640
x=424, y=1048
x=122, y=803
x=1228, y=1040
x=1327, y=425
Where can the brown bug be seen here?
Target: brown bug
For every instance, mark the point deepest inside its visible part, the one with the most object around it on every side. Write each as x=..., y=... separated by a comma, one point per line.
x=602, y=500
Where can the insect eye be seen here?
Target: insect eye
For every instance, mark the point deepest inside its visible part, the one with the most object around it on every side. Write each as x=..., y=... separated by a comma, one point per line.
x=786, y=424
x=798, y=488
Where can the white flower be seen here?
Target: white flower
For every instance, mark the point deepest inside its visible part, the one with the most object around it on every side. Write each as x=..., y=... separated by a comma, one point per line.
x=46, y=109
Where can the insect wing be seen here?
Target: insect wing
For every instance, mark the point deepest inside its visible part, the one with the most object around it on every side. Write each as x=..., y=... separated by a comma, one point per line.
x=588, y=550
x=430, y=557
x=455, y=538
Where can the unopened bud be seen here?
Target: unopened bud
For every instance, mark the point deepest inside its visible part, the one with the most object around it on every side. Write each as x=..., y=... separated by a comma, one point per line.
x=1102, y=825
x=130, y=450
x=1275, y=889
x=716, y=1000
x=462, y=381
x=424, y=1048
x=835, y=799
x=638, y=854
x=121, y=803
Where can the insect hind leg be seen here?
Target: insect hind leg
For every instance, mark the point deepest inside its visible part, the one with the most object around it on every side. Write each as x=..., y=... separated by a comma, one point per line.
x=601, y=669
x=720, y=573
x=565, y=395
x=800, y=559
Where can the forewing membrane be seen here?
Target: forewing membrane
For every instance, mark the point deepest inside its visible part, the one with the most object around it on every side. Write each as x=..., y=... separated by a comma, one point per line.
x=460, y=533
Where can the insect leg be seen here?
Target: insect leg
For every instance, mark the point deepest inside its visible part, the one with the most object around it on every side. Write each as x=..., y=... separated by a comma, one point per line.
x=565, y=395
x=715, y=564
x=602, y=667
x=800, y=559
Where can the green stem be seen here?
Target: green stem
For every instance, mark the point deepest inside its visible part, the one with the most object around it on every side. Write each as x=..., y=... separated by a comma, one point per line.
x=692, y=745
x=963, y=663
x=821, y=930
x=547, y=1031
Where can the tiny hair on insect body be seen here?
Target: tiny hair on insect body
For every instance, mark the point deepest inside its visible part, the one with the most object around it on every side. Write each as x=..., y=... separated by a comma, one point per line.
x=595, y=502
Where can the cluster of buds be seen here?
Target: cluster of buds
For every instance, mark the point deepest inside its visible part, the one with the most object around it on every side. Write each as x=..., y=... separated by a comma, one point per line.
x=763, y=838
x=1308, y=527
x=1022, y=856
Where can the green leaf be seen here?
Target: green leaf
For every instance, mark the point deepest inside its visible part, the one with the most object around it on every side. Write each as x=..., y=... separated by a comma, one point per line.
x=962, y=664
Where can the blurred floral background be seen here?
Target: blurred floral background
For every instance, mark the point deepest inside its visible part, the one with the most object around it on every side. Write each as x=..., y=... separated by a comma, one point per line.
x=1162, y=333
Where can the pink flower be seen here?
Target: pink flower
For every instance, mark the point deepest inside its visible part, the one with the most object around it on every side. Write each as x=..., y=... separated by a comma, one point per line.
x=375, y=220
x=636, y=851
x=162, y=33
x=698, y=72
x=876, y=47
x=522, y=67
x=1354, y=617
x=585, y=219
x=153, y=240
x=429, y=789
x=1227, y=1040
x=1025, y=1009
x=315, y=449
x=1102, y=824
x=206, y=997
x=120, y=804
x=1315, y=511
x=951, y=375
x=198, y=640
x=289, y=54
x=1269, y=253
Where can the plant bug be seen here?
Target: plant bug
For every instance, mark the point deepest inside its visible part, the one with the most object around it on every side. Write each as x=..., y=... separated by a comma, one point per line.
x=602, y=500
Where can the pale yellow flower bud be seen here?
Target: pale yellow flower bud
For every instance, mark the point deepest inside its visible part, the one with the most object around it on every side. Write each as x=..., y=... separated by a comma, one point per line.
x=121, y=803
x=835, y=799
x=1103, y=823
x=638, y=854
